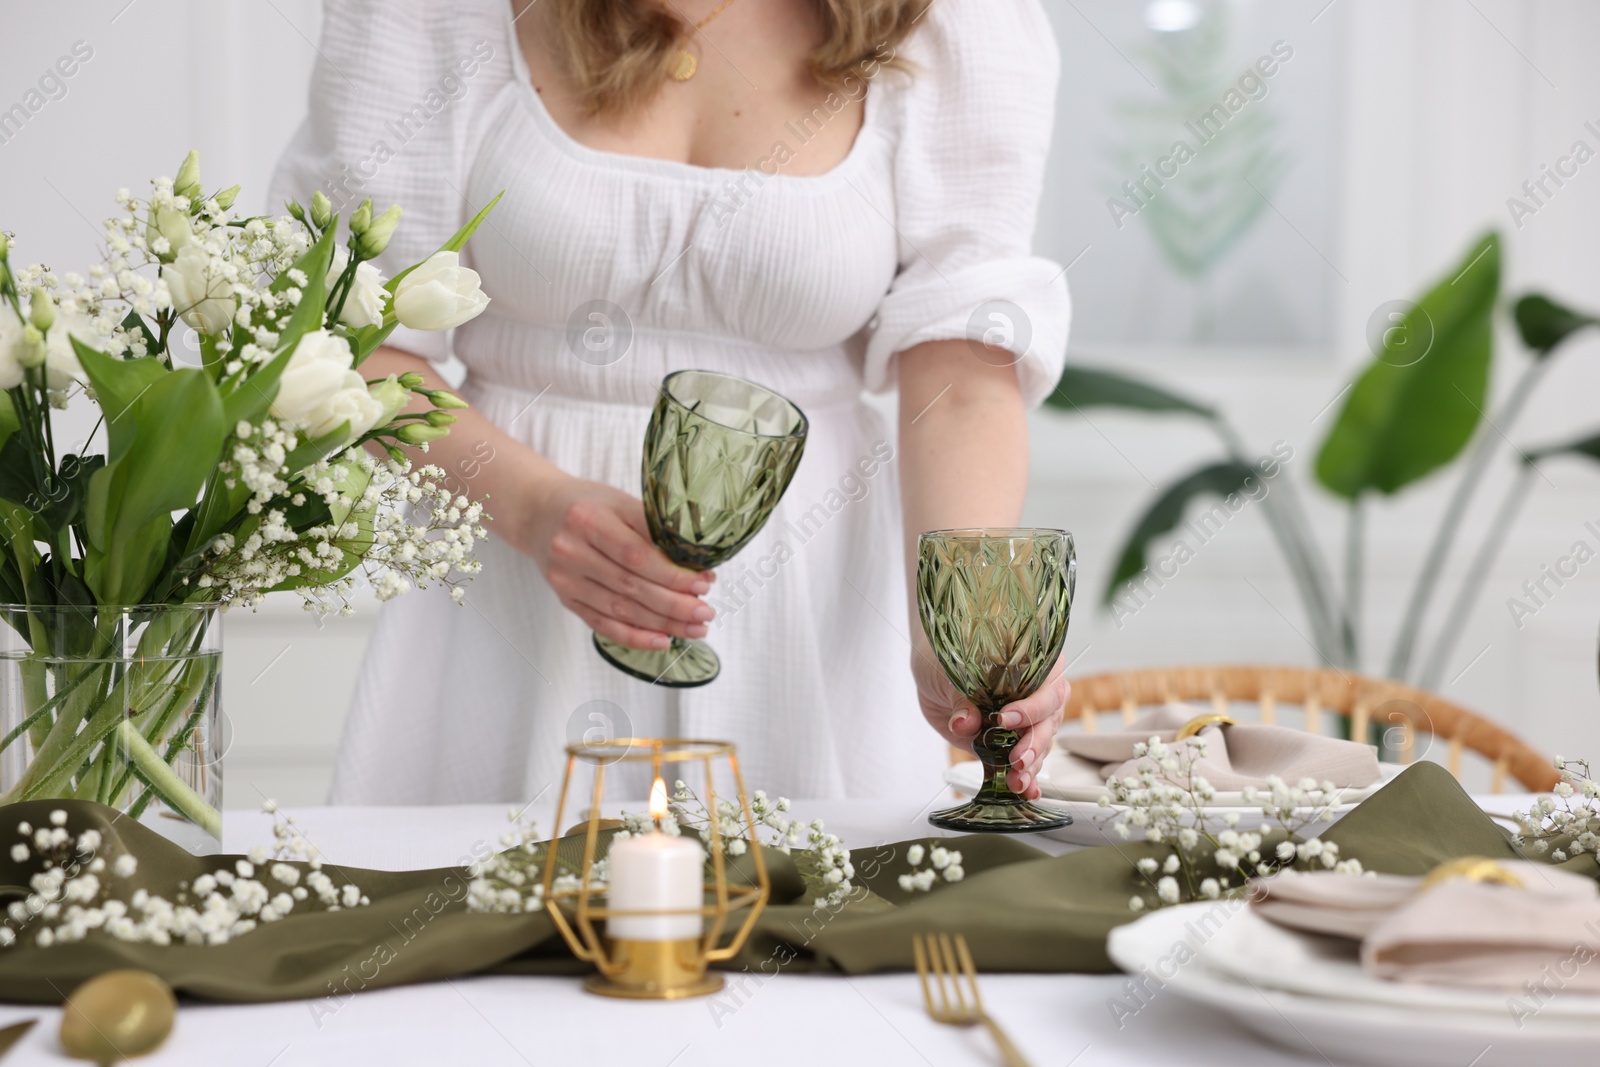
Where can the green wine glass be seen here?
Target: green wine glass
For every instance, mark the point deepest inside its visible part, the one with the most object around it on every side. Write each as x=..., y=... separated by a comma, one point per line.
x=718, y=455
x=994, y=605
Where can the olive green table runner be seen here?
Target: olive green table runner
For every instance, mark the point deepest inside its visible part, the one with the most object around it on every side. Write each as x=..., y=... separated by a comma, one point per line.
x=1020, y=909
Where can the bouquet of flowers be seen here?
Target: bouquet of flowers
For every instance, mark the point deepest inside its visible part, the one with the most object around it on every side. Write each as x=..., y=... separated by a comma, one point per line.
x=238, y=451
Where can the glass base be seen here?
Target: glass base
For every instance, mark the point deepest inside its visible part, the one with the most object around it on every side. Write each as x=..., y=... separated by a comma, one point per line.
x=682, y=665
x=989, y=817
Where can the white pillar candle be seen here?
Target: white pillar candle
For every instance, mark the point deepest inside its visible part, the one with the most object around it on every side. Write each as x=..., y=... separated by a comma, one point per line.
x=655, y=872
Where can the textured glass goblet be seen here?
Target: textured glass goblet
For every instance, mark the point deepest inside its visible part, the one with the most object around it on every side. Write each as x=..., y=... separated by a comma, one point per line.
x=995, y=604
x=718, y=455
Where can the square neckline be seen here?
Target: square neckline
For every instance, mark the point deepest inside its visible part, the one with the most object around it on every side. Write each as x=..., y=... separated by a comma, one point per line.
x=671, y=168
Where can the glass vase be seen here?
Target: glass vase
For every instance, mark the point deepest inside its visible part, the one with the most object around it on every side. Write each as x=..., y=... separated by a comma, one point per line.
x=121, y=706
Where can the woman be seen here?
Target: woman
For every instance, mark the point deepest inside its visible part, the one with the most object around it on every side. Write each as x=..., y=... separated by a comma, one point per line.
x=824, y=196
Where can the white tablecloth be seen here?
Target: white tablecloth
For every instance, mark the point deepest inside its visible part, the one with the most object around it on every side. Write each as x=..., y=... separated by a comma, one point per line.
x=815, y=1021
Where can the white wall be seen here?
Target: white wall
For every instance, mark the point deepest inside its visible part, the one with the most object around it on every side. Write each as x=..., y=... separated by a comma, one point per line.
x=1447, y=111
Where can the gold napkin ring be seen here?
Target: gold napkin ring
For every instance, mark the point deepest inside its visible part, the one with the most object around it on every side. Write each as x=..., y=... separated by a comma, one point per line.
x=1200, y=722
x=1472, y=869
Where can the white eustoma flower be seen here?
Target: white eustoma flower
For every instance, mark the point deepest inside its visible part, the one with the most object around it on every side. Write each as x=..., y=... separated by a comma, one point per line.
x=319, y=390
x=10, y=341
x=364, y=305
x=439, y=295
x=201, y=293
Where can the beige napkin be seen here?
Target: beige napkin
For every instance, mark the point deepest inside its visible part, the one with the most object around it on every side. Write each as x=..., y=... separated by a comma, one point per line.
x=1472, y=935
x=1236, y=757
x=1481, y=936
x=1323, y=902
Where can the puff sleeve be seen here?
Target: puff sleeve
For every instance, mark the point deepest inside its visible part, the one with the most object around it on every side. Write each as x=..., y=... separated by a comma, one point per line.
x=975, y=120
x=390, y=117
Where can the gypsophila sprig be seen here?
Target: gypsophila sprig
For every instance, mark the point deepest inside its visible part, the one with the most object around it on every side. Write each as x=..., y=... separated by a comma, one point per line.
x=511, y=880
x=76, y=893
x=821, y=857
x=1566, y=823
x=1209, y=855
x=943, y=864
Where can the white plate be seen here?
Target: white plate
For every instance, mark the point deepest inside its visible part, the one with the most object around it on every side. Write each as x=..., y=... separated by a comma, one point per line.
x=1184, y=947
x=1251, y=949
x=1091, y=824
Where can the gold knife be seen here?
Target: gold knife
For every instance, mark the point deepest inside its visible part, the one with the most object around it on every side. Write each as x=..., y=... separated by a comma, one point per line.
x=12, y=1034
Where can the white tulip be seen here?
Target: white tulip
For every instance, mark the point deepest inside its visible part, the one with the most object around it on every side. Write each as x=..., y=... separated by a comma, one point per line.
x=319, y=390
x=364, y=305
x=10, y=341
x=174, y=226
x=439, y=295
x=60, y=359
x=203, y=297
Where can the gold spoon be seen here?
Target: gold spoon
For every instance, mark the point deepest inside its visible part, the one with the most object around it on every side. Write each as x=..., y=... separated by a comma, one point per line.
x=117, y=1016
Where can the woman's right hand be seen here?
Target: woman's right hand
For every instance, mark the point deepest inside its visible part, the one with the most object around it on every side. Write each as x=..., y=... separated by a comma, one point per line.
x=593, y=546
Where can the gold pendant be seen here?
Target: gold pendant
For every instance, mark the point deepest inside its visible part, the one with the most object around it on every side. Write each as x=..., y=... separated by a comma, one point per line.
x=684, y=64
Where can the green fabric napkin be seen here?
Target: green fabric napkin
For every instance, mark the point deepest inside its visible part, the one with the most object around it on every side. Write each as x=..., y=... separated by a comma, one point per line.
x=1020, y=909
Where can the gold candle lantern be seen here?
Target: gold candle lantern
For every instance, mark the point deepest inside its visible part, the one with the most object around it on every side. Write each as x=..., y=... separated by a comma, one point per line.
x=656, y=950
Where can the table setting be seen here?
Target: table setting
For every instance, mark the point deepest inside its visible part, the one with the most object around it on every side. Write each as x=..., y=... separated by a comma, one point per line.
x=1187, y=877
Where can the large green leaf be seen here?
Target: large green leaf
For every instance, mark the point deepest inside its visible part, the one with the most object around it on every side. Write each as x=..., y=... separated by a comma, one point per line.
x=71, y=487
x=1087, y=387
x=1408, y=416
x=179, y=431
x=1544, y=324
x=1583, y=446
x=1164, y=514
x=9, y=423
x=18, y=479
x=118, y=384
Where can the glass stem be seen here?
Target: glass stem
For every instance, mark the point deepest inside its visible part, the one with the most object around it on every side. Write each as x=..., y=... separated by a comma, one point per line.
x=993, y=748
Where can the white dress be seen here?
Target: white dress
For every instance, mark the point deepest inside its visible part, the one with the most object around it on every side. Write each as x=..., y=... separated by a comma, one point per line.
x=605, y=273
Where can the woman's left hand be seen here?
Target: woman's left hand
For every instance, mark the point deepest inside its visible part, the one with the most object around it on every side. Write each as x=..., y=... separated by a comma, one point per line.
x=1036, y=718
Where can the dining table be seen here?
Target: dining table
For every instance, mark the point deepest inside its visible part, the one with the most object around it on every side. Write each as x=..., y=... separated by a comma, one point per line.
x=765, y=1017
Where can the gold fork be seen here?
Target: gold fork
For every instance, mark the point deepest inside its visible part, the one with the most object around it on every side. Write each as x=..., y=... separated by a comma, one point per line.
x=951, y=1004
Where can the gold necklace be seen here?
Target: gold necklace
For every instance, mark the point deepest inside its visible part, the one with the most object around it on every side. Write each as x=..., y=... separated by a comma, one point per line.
x=684, y=64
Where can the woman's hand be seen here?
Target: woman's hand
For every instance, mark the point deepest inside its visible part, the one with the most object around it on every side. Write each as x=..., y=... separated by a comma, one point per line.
x=593, y=546
x=1036, y=718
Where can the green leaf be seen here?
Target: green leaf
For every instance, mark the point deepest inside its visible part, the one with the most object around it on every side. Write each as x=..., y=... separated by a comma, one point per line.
x=135, y=321
x=324, y=446
x=455, y=244
x=251, y=398
x=353, y=549
x=365, y=341
x=17, y=481
x=308, y=314
x=70, y=490
x=118, y=384
x=1408, y=416
x=1086, y=387
x=1164, y=514
x=1584, y=446
x=179, y=432
x=9, y=423
x=71, y=632
x=1544, y=324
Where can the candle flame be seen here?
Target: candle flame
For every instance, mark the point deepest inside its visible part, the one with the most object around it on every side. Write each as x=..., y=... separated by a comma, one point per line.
x=658, y=801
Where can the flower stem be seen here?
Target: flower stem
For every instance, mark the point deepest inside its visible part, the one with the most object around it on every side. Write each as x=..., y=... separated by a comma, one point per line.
x=166, y=783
